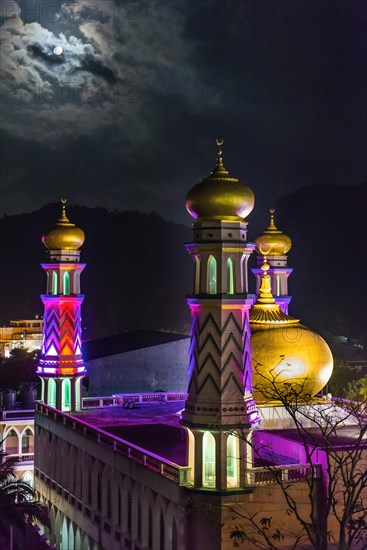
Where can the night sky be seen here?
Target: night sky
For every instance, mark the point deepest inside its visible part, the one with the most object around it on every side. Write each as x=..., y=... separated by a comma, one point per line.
x=126, y=117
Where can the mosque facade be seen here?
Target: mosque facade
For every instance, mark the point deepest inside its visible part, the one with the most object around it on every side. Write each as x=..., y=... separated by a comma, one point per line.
x=176, y=475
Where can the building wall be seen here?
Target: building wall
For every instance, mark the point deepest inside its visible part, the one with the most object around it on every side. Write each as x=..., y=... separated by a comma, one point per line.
x=101, y=498
x=98, y=498
x=150, y=369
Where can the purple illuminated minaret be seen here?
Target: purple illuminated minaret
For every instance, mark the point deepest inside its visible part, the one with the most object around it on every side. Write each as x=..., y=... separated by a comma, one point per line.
x=61, y=366
x=220, y=387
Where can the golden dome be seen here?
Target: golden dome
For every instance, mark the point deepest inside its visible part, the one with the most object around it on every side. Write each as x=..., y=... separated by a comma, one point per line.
x=64, y=235
x=273, y=242
x=220, y=197
x=287, y=356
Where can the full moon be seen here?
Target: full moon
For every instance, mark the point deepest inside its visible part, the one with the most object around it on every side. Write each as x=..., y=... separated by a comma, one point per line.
x=57, y=50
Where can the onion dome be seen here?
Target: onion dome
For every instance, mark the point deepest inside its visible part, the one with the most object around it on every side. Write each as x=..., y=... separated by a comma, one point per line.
x=64, y=235
x=219, y=196
x=288, y=357
x=273, y=242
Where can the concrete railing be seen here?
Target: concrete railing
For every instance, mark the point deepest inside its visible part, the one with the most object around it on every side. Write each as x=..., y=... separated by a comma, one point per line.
x=151, y=461
x=17, y=414
x=118, y=399
x=279, y=474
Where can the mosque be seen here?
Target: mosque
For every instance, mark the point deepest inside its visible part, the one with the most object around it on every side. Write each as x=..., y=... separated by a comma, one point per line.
x=172, y=475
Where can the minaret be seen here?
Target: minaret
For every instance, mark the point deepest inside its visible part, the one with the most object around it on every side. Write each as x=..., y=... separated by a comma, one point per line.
x=275, y=245
x=220, y=401
x=61, y=367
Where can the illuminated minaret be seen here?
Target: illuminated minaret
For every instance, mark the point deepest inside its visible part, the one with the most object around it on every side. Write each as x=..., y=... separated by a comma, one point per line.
x=61, y=367
x=275, y=245
x=220, y=389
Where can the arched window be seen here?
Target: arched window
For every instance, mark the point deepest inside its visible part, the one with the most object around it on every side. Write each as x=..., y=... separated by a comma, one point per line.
x=208, y=460
x=161, y=531
x=12, y=442
x=277, y=293
x=197, y=275
x=77, y=393
x=66, y=283
x=99, y=491
x=51, y=392
x=108, y=493
x=230, y=277
x=150, y=526
x=27, y=441
x=212, y=275
x=66, y=395
x=233, y=463
x=55, y=289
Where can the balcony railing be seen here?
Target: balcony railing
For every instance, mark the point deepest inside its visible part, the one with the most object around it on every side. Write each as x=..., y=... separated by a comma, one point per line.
x=278, y=474
x=118, y=399
x=151, y=461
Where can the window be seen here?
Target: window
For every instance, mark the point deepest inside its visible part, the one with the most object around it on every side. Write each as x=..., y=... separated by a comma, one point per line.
x=208, y=460
x=233, y=478
x=197, y=275
x=51, y=392
x=66, y=283
x=66, y=395
x=278, y=293
x=230, y=277
x=27, y=441
x=54, y=283
x=212, y=276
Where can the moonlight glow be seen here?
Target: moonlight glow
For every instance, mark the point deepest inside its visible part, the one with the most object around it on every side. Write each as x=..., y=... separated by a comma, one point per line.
x=57, y=50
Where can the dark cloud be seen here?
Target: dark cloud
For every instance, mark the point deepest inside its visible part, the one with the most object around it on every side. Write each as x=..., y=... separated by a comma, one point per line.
x=95, y=67
x=48, y=57
x=139, y=96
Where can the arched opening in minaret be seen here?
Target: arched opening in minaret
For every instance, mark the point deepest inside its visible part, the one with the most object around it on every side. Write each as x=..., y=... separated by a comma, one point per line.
x=212, y=275
x=197, y=275
x=66, y=283
x=78, y=393
x=66, y=395
x=233, y=462
x=54, y=283
x=208, y=460
x=230, y=277
x=277, y=292
x=51, y=392
x=191, y=452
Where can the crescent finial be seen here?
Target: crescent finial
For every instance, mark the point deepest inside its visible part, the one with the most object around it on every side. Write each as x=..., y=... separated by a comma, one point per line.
x=219, y=141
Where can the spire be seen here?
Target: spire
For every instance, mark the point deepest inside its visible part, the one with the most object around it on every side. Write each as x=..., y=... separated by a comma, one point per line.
x=265, y=309
x=219, y=172
x=272, y=226
x=64, y=220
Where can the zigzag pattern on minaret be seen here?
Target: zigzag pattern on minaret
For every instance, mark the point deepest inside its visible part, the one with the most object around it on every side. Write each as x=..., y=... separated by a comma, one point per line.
x=62, y=328
x=212, y=363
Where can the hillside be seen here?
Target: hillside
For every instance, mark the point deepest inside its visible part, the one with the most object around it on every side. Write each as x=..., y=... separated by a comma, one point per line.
x=138, y=271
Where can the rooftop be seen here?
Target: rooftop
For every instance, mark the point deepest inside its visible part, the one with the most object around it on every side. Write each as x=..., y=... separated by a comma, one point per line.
x=154, y=427
x=127, y=341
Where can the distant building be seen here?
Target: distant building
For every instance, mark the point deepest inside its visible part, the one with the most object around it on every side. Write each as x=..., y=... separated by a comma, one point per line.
x=138, y=361
x=23, y=333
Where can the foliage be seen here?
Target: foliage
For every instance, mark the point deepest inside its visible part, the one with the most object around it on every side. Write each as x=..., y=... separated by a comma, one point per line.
x=342, y=376
x=18, y=369
x=332, y=435
x=16, y=505
x=357, y=389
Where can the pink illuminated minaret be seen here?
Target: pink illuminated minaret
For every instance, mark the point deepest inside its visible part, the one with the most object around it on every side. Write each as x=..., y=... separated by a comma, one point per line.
x=61, y=367
x=220, y=401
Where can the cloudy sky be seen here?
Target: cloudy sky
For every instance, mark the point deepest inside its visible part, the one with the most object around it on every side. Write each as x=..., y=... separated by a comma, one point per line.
x=126, y=117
